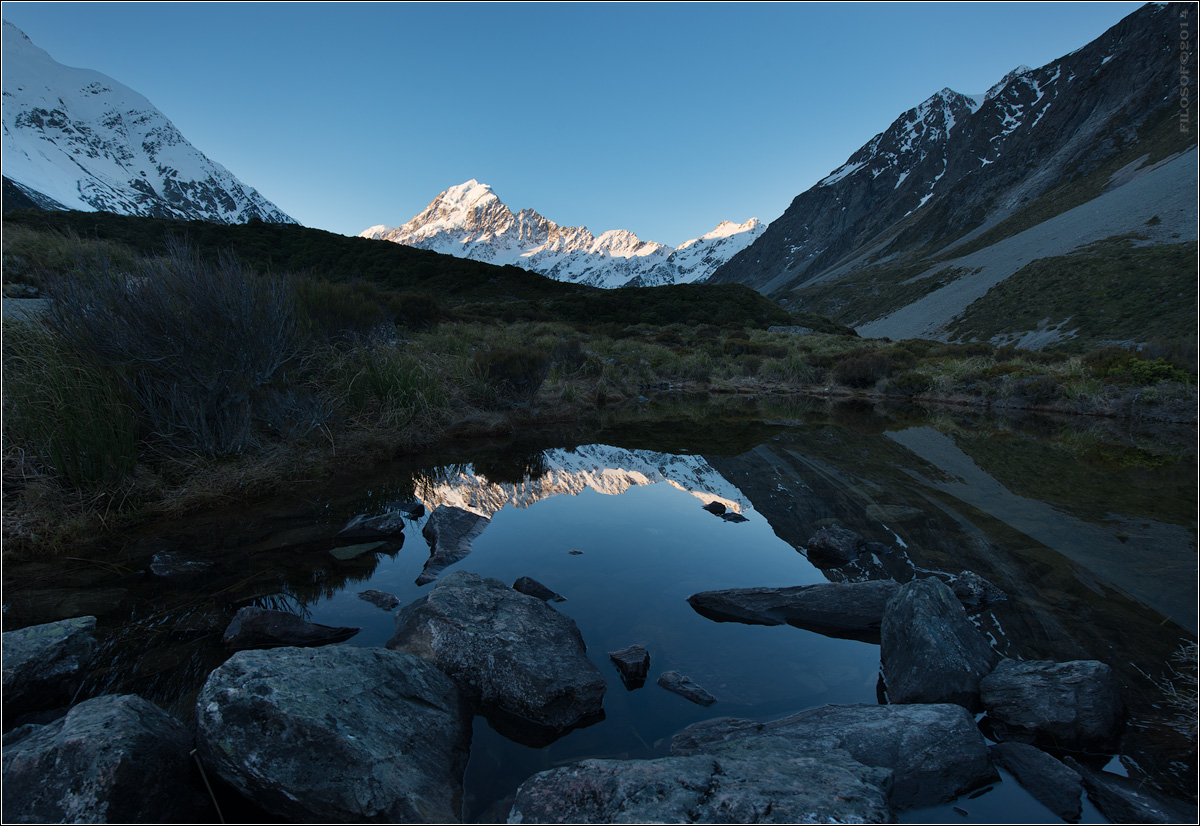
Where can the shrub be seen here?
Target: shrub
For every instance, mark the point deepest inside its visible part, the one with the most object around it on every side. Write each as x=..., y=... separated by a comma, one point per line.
x=910, y=383
x=861, y=371
x=73, y=415
x=199, y=345
x=513, y=373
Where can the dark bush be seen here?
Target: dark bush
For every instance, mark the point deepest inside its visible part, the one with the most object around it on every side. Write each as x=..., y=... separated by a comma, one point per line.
x=862, y=371
x=910, y=383
x=514, y=374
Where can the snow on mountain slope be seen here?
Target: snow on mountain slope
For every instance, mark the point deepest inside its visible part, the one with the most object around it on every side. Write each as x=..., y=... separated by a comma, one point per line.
x=87, y=142
x=470, y=221
x=602, y=468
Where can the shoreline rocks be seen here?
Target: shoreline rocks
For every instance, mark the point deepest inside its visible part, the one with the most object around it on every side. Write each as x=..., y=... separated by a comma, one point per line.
x=264, y=628
x=44, y=664
x=848, y=610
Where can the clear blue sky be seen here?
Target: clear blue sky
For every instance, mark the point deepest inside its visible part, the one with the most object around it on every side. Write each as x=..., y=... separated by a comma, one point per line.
x=663, y=119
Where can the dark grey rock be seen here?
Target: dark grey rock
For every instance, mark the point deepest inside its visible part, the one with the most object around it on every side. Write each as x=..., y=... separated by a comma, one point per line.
x=530, y=586
x=851, y=610
x=975, y=592
x=935, y=752
x=44, y=665
x=505, y=650
x=1055, y=786
x=364, y=527
x=832, y=547
x=633, y=664
x=339, y=735
x=734, y=517
x=575, y=552
x=263, y=628
x=684, y=687
x=111, y=759
x=770, y=781
x=345, y=552
x=1072, y=705
x=714, y=507
x=449, y=532
x=931, y=652
x=1123, y=800
x=380, y=599
x=175, y=567
x=412, y=509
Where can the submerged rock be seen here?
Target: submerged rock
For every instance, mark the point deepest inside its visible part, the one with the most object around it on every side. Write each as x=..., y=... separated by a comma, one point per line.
x=530, y=586
x=111, y=759
x=380, y=599
x=734, y=517
x=263, y=628
x=1051, y=783
x=684, y=686
x=975, y=592
x=833, y=547
x=1072, y=705
x=851, y=610
x=345, y=552
x=505, y=650
x=337, y=735
x=633, y=664
x=175, y=567
x=930, y=650
x=44, y=665
x=364, y=527
x=769, y=782
x=935, y=752
x=449, y=532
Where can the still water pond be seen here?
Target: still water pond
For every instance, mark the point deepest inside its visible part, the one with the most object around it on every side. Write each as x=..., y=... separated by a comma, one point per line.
x=1091, y=534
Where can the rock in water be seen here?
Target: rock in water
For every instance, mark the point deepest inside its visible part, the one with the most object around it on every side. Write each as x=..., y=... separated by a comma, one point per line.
x=935, y=752
x=380, y=599
x=449, y=532
x=1073, y=705
x=363, y=528
x=44, y=664
x=931, y=652
x=769, y=781
x=683, y=686
x=833, y=547
x=839, y=609
x=337, y=735
x=1123, y=800
x=111, y=759
x=714, y=508
x=1055, y=786
x=633, y=663
x=263, y=628
x=506, y=650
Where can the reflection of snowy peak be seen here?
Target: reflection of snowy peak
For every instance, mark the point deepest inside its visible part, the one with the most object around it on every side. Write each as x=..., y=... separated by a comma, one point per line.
x=604, y=469
x=469, y=221
x=78, y=139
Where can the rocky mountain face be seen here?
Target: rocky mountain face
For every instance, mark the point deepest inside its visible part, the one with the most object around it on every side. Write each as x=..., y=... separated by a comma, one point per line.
x=470, y=221
x=960, y=172
x=77, y=139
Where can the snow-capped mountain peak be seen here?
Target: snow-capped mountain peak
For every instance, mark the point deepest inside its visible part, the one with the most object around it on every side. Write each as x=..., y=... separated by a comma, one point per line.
x=470, y=221
x=82, y=139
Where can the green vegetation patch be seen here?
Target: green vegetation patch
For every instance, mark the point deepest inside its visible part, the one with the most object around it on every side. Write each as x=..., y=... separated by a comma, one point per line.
x=1112, y=290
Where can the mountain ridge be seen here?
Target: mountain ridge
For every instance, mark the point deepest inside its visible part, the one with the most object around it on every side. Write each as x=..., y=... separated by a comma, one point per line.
x=78, y=139
x=469, y=221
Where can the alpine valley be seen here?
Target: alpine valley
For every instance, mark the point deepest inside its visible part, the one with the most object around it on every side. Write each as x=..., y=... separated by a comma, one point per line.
x=77, y=139
x=469, y=221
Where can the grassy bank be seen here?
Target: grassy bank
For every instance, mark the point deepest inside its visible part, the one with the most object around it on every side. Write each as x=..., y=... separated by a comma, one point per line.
x=162, y=382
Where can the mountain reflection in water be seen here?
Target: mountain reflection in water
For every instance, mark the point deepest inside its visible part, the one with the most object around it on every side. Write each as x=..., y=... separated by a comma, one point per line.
x=1091, y=534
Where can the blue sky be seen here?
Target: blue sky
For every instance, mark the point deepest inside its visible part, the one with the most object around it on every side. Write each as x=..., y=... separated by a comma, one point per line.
x=663, y=119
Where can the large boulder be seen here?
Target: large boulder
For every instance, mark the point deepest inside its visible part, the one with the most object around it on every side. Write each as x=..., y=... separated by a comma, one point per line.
x=931, y=652
x=935, y=752
x=767, y=781
x=507, y=651
x=337, y=734
x=1054, y=785
x=851, y=610
x=265, y=628
x=111, y=759
x=1073, y=705
x=449, y=532
x=44, y=665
